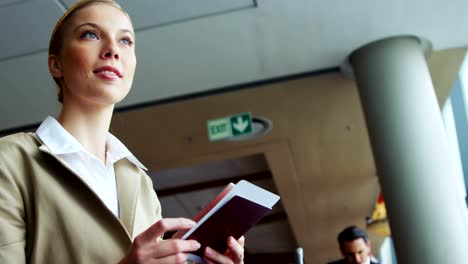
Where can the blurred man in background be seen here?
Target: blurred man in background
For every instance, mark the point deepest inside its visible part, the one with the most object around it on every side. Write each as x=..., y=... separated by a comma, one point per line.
x=355, y=247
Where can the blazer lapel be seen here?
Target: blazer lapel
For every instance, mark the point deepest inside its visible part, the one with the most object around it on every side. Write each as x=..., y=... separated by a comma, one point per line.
x=128, y=187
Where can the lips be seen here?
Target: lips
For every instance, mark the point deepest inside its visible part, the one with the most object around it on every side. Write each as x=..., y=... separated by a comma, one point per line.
x=108, y=72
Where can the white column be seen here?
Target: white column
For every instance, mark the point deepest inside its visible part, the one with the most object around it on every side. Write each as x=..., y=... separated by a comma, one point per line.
x=427, y=216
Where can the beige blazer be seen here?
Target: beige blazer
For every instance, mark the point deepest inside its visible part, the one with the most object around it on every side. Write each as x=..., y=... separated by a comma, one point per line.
x=49, y=215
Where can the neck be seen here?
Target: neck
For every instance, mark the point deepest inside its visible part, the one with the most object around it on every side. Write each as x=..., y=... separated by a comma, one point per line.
x=89, y=125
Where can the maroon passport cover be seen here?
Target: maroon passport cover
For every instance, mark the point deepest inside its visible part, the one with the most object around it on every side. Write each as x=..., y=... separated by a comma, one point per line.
x=234, y=219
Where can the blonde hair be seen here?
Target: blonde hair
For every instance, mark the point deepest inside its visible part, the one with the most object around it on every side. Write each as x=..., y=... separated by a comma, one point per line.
x=56, y=39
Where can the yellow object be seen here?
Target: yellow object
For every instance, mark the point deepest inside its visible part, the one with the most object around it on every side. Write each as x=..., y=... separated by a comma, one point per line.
x=380, y=212
x=378, y=223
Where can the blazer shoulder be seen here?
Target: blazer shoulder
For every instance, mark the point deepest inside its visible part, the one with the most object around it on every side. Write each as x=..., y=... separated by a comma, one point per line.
x=26, y=143
x=22, y=139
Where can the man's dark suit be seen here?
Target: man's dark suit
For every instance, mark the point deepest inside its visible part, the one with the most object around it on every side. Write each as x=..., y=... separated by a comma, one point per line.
x=341, y=261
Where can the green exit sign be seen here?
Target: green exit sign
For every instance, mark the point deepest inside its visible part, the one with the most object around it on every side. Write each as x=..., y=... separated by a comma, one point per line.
x=230, y=126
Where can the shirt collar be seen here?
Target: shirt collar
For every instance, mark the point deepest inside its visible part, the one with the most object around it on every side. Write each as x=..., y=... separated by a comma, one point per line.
x=60, y=142
x=116, y=150
x=56, y=138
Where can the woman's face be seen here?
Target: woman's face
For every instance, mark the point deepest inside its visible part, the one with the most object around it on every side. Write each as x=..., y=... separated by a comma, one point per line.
x=97, y=61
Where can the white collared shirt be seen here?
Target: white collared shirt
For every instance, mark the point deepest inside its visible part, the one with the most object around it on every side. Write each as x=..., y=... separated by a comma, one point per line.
x=369, y=260
x=99, y=176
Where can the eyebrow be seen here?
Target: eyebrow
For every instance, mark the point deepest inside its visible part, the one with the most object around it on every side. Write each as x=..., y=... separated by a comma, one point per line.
x=94, y=25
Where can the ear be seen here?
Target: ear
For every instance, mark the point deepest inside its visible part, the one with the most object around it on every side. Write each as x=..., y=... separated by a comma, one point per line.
x=54, y=66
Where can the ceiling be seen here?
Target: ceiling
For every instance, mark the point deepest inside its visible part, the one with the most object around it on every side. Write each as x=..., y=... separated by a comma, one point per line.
x=187, y=47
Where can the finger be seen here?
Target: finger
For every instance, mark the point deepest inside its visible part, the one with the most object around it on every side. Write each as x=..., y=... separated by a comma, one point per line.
x=216, y=257
x=170, y=247
x=241, y=241
x=164, y=225
x=176, y=258
x=236, y=249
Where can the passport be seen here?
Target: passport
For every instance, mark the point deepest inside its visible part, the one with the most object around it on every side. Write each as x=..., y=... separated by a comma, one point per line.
x=232, y=213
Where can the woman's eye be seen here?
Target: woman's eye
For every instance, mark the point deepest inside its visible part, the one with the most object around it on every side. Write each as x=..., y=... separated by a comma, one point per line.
x=126, y=41
x=89, y=35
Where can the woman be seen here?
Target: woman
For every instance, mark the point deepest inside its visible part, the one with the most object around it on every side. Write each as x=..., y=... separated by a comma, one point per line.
x=71, y=192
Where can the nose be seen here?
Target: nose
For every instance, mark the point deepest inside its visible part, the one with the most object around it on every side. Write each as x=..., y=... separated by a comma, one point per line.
x=110, y=54
x=110, y=51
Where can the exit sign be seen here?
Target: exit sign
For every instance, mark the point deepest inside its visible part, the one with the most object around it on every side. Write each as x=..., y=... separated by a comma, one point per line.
x=230, y=126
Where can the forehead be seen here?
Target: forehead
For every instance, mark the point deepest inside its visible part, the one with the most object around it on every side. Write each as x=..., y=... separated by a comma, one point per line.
x=102, y=14
x=354, y=246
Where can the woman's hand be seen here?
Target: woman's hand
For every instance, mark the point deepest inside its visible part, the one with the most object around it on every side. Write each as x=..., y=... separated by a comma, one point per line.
x=148, y=248
x=234, y=254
